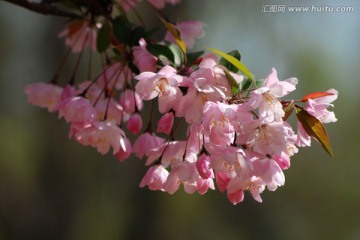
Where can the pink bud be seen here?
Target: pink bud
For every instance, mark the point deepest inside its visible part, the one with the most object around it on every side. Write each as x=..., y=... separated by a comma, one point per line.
x=203, y=166
x=134, y=123
x=165, y=123
x=155, y=178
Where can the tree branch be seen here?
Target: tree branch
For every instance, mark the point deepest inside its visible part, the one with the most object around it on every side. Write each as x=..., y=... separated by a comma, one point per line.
x=43, y=8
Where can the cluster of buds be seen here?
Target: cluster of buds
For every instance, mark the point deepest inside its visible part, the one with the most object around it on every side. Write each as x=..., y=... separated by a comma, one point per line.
x=237, y=134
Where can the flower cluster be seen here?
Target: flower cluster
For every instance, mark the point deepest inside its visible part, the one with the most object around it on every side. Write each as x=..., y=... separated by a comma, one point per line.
x=237, y=134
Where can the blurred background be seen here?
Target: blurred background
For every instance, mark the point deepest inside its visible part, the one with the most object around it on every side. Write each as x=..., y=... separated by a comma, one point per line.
x=54, y=188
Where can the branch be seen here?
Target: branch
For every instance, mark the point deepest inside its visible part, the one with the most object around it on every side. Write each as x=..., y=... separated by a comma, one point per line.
x=43, y=8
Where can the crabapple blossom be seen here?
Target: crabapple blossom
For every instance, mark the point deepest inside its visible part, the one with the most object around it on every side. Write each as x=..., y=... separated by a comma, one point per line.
x=134, y=123
x=44, y=95
x=143, y=59
x=155, y=178
x=165, y=123
x=164, y=84
x=80, y=34
x=145, y=143
x=77, y=110
x=215, y=122
x=102, y=136
x=189, y=31
x=266, y=97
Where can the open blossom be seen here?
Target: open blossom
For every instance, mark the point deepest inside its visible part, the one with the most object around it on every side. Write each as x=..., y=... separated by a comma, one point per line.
x=77, y=110
x=102, y=136
x=266, y=97
x=155, y=178
x=115, y=76
x=164, y=84
x=145, y=143
x=143, y=59
x=189, y=30
x=271, y=138
x=45, y=95
x=187, y=174
x=318, y=108
x=80, y=34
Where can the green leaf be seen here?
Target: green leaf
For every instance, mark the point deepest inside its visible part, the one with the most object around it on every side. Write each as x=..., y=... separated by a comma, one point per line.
x=103, y=38
x=233, y=83
x=247, y=83
x=314, y=128
x=121, y=30
x=193, y=56
x=227, y=64
x=161, y=50
x=178, y=54
x=175, y=33
x=239, y=65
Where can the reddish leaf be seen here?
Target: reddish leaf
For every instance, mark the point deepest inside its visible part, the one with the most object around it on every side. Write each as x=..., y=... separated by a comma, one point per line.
x=314, y=128
x=315, y=95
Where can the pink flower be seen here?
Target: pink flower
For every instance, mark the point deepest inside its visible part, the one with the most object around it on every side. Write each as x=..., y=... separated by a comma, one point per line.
x=134, y=123
x=165, y=123
x=155, y=178
x=114, y=76
x=217, y=122
x=269, y=172
x=145, y=143
x=143, y=58
x=318, y=107
x=44, y=95
x=236, y=197
x=109, y=110
x=123, y=154
x=91, y=90
x=102, y=136
x=80, y=34
x=164, y=85
x=271, y=138
x=189, y=30
x=266, y=97
x=130, y=101
x=203, y=166
x=160, y=4
x=303, y=139
x=77, y=110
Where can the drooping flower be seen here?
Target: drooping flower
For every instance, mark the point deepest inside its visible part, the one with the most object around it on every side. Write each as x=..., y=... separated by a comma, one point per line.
x=143, y=59
x=189, y=31
x=45, y=95
x=134, y=123
x=80, y=34
x=145, y=143
x=102, y=136
x=165, y=123
x=155, y=178
x=77, y=110
x=164, y=84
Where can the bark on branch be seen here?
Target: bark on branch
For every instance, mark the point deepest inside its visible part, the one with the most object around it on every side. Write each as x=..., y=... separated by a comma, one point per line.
x=43, y=8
